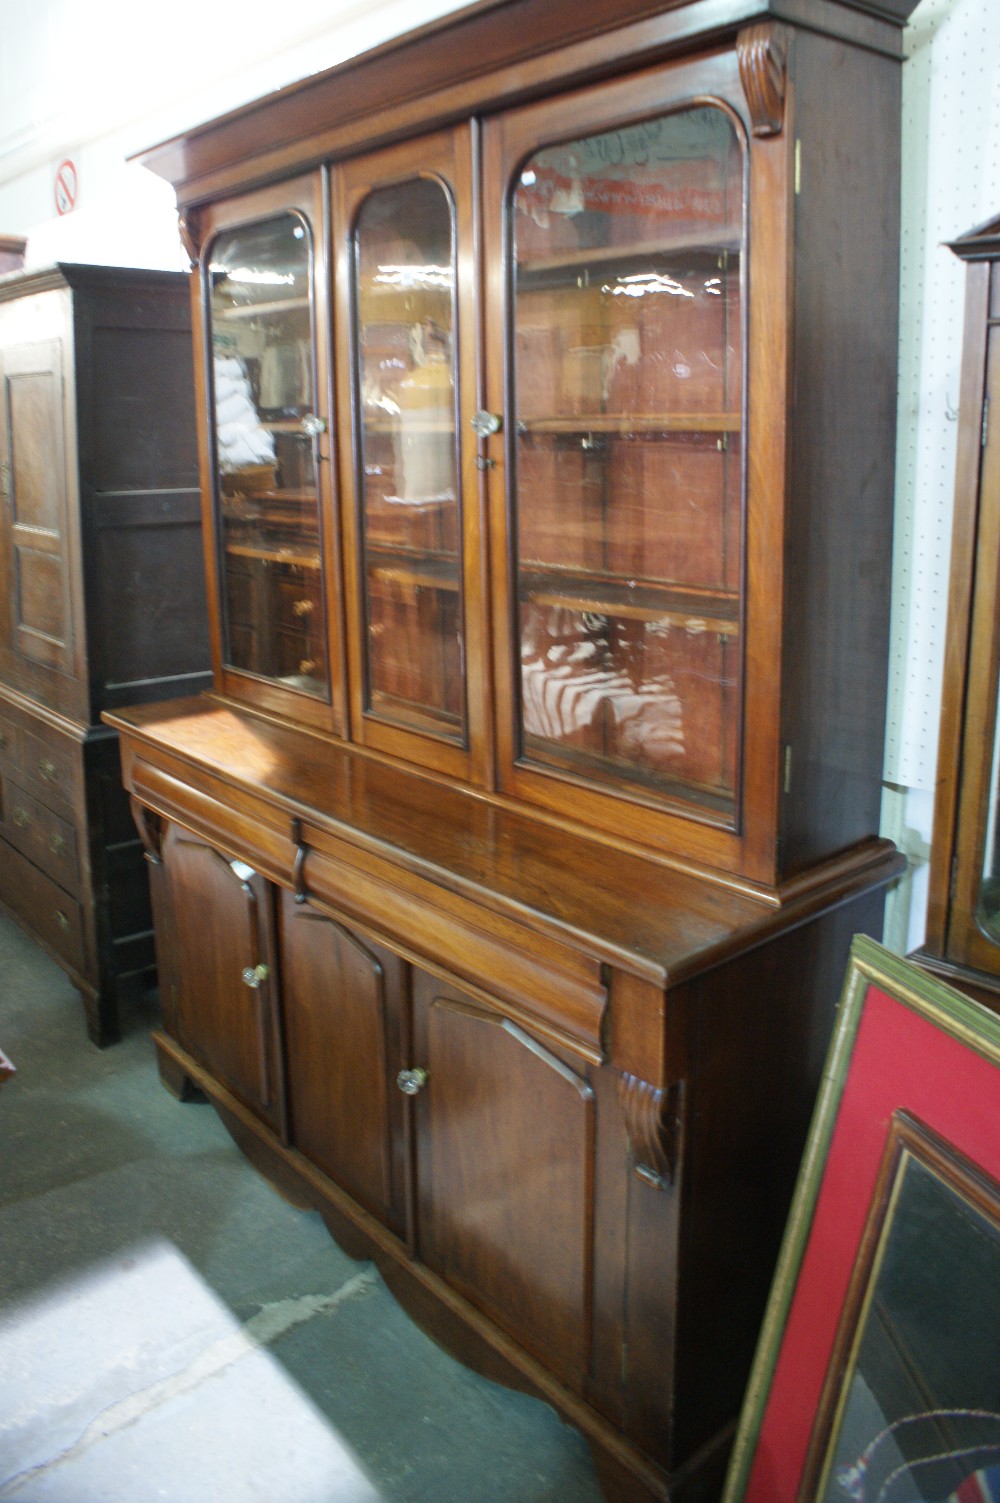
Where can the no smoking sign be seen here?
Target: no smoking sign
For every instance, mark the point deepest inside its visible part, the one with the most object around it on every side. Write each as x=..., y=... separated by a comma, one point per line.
x=66, y=187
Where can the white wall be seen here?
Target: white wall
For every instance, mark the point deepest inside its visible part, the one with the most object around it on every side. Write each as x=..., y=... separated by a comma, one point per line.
x=97, y=82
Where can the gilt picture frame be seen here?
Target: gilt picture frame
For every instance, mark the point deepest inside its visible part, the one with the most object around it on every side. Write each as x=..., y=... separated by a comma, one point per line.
x=877, y=1375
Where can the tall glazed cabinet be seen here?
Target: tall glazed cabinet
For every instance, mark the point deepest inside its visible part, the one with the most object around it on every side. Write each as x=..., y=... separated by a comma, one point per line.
x=504, y=881
x=103, y=598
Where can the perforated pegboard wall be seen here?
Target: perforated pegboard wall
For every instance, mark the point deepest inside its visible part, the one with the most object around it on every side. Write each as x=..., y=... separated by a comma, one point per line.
x=951, y=181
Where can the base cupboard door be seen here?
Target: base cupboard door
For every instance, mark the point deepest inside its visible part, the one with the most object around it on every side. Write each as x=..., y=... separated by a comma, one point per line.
x=504, y=1166
x=224, y=985
x=342, y=1002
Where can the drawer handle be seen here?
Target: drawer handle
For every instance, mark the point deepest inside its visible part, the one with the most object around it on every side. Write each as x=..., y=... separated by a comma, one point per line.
x=21, y=818
x=57, y=844
x=253, y=975
x=411, y=1081
x=48, y=770
x=62, y=920
x=302, y=607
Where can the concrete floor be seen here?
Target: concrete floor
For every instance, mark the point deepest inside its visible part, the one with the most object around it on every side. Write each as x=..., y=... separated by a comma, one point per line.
x=171, y=1329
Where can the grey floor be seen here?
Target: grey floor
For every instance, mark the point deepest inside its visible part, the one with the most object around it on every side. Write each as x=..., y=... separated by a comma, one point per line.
x=171, y=1329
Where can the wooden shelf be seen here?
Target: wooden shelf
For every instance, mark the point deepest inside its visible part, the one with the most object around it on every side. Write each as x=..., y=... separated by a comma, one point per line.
x=606, y=595
x=408, y=566
x=260, y=310
x=644, y=423
x=274, y=555
x=606, y=258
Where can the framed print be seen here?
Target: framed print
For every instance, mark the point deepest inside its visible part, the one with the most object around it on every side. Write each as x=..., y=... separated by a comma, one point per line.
x=877, y=1375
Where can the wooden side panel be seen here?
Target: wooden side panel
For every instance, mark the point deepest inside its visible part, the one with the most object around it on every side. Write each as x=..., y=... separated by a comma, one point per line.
x=505, y=1151
x=218, y=926
x=341, y=1003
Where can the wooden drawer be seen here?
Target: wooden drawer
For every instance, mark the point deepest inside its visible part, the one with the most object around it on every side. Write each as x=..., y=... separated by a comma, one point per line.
x=42, y=835
x=51, y=765
x=10, y=739
x=53, y=914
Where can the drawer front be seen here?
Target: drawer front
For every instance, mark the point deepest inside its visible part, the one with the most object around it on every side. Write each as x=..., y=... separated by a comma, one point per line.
x=53, y=914
x=10, y=739
x=50, y=765
x=42, y=835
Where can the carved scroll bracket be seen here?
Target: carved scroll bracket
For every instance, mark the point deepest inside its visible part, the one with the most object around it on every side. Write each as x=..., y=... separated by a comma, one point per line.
x=654, y=1118
x=151, y=829
x=762, y=51
x=189, y=229
x=298, y=867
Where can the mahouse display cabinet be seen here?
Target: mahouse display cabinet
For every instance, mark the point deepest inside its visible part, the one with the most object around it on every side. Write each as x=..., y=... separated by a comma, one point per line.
x=963, y=916
x=103, y=598
x=503, y=884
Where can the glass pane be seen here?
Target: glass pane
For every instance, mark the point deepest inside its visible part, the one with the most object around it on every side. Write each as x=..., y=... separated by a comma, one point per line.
x=261, y=322
x=408, y=479
x=988, y=905
x=627, y=395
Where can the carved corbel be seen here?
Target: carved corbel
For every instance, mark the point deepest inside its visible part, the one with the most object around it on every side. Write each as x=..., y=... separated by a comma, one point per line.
x=151, y=829
x=653, y=1117
x=762, y=51
x=189, y=229
x=298, y=866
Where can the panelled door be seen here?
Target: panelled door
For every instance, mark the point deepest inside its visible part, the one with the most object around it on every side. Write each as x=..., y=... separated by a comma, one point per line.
x=36, y=624
x=505, y=1134
x=222, y=967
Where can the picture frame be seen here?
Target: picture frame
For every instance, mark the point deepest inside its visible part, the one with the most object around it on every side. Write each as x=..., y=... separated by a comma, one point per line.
x=877, y=1374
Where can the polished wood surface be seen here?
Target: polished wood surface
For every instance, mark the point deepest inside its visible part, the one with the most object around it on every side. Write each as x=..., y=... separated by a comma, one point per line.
x=555, y=894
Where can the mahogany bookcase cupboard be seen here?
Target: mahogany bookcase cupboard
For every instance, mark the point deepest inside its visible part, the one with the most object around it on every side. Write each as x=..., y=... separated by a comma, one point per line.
x=504, y=882
x=963, y=917
x=103, y=598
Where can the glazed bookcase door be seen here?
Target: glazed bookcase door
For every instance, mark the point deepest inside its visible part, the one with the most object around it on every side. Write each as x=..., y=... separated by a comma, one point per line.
x=263, y=282
x=619, y=272
x=404, y=232
x=974, y=918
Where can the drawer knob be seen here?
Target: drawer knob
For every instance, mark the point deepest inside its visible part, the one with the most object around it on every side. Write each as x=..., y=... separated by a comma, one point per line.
x=302, y=607
x=48, y=770
x=62, y=920
x=411, y=1081
x=57, y=844
x=21, y=817
x=253, y=975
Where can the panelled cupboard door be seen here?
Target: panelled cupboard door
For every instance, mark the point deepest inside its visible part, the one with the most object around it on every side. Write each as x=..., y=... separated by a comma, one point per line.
x=225, y=984
x=267, y=448
x=621, y=468
x=504, y=1135
x=342, y=998
x=36, y=623
x=403, y=232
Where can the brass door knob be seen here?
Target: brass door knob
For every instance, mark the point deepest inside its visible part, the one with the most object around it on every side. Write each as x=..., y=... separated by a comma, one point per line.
x=411, y=1081
x=253, y=975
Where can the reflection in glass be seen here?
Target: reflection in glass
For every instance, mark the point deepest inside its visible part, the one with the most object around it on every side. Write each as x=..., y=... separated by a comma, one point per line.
x=408, y=482
x=627, y=395
x=260, y=314
x=988, y=906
